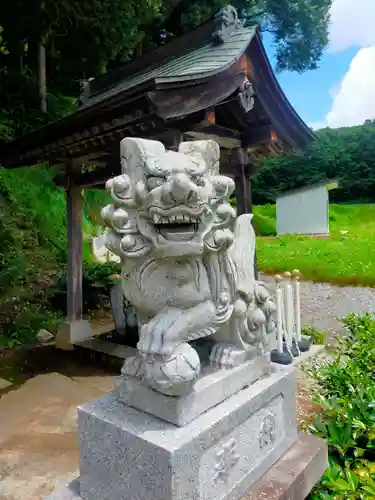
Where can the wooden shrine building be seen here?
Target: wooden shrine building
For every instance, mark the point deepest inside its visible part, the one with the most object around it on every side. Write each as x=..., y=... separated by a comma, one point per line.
x=213, y=82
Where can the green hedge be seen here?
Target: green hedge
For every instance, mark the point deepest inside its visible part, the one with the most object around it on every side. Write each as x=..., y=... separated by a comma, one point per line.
x=344, y=387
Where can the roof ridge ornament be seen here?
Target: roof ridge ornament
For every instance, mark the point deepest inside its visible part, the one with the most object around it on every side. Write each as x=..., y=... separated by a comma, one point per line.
x=226, y=21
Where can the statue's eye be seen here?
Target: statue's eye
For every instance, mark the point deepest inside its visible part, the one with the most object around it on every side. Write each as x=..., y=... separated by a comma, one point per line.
x=198, y=180
x=154, y=182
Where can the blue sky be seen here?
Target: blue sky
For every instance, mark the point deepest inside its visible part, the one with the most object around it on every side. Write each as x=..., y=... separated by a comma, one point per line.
x=310, y=93
x=341, y=92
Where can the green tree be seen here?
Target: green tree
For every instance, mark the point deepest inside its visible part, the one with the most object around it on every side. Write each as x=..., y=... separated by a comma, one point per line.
x=299, y=27
x=49, y=47
x=345, y=153
x=73, y=39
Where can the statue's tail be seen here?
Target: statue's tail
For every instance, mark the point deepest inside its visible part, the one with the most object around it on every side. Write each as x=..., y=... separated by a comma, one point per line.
x=242, y=252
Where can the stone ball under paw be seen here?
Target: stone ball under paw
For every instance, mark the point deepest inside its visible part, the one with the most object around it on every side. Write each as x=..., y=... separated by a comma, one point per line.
x=176, y=375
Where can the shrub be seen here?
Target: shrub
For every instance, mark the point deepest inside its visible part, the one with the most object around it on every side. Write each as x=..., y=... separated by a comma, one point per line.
x=345, y=390
x=264, y=226
x=318, y=337
x=25, y=326
x=95, y=283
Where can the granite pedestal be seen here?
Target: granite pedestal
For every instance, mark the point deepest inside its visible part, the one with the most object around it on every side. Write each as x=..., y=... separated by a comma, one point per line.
x=126, y=454
x=292, y=477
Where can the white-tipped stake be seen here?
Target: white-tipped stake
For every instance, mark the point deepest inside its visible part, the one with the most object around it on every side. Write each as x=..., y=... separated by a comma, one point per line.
x=289, y=313
x=279, y=319
x=297, y=300
x=279, y=315
x=288, y=309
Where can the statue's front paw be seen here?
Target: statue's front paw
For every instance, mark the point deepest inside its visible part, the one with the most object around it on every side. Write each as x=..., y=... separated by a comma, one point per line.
x=174, y=375
x=155, y=345
x=161, y=335
x=133, y=367
x=225, y=355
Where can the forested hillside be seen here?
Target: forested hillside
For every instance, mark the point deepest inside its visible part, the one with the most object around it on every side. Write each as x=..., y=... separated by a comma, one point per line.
x=345, y=153
x=48, y=51
x=33, y=252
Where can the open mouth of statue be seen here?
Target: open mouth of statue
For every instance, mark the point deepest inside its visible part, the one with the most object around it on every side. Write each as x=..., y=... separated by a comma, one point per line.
x=177, y=232
x=179, y=227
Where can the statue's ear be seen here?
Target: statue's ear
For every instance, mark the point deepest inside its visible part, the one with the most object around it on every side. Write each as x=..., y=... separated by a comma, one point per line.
x=135, y=152
x=209, y=151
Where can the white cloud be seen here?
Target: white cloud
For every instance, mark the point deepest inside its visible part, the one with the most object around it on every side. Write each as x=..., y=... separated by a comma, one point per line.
x=353, y=99
x=352, y=24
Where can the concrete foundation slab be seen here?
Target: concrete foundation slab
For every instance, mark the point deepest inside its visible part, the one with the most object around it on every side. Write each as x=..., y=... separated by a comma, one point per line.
x=38, y=441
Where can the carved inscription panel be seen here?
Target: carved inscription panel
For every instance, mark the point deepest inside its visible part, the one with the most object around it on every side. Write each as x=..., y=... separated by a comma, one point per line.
x=238, y=453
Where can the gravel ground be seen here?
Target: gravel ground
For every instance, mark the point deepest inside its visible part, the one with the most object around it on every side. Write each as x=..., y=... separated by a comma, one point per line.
x=322, y=303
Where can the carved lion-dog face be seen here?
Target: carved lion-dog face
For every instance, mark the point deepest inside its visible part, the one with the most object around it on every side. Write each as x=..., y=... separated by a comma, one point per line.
x=172, y=197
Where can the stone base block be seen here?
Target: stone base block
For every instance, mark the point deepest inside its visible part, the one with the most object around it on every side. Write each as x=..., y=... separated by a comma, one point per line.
x=292, y=477
x=73, y=332
x=295, y=474
x=213, y=387
x=126, y=454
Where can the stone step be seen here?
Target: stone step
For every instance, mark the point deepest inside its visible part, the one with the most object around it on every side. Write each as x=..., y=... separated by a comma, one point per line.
x=104, y=352
x=113, y=354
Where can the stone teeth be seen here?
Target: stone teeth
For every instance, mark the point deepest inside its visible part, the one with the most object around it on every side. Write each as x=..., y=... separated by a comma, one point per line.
x=186, y=218
x=172, y=218
x=179, y=218
x=165, y=220
x=156, y=218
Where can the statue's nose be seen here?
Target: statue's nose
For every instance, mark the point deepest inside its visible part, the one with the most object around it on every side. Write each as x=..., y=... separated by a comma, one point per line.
x=183, y=189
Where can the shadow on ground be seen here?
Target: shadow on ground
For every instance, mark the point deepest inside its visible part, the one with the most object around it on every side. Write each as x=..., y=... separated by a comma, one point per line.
x=19, y=365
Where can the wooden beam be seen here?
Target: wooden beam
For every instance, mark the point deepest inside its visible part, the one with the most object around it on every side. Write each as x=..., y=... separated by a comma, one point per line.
x=74, y=204
x=257, y=134
x=224, y=142
x=88, y=179
x=107, y=167
x=212, y=128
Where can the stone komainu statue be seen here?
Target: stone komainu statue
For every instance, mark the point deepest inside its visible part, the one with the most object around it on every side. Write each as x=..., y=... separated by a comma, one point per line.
x=187, y=263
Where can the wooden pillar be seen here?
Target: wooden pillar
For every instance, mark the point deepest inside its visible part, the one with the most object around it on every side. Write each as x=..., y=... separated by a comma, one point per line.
x=243, y=184
x=74, y=225
x=243, y=192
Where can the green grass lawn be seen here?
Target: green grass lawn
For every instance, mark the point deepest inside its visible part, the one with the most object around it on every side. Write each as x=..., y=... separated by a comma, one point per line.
x=340, y=258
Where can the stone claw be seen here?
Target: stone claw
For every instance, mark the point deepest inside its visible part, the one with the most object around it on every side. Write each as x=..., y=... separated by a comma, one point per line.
x=156, y=347
x=133, y=367
x=225, y=355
